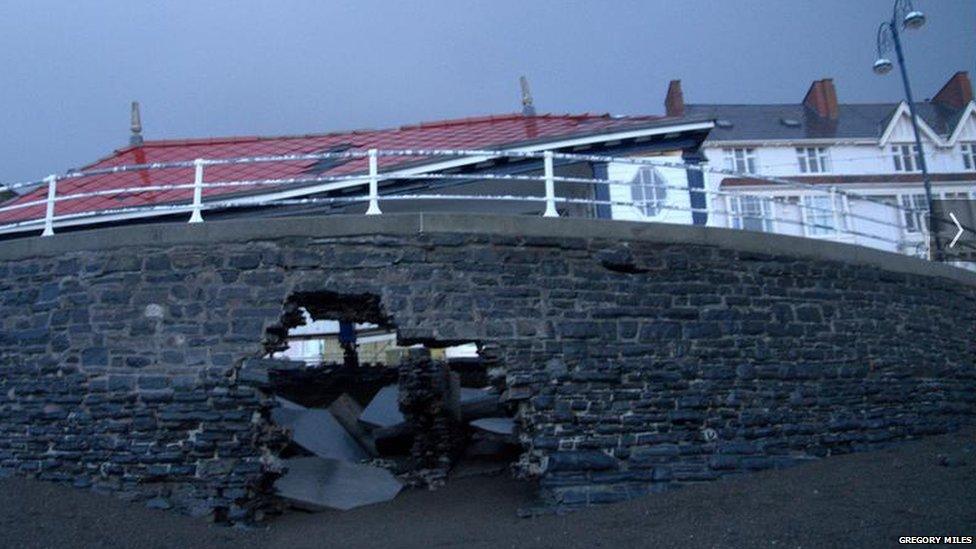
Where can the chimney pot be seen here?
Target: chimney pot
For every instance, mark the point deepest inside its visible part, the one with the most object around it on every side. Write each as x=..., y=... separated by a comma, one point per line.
x=135, y=125
x=528, y=107
x=957, y=92
x=821, y=98
x=674, y=101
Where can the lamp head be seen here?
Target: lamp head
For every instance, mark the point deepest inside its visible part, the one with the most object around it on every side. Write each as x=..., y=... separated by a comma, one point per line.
x=914, y=20
x=882, y=66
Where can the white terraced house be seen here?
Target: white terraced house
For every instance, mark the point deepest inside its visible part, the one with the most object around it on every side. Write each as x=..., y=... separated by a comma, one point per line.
x=831, y=149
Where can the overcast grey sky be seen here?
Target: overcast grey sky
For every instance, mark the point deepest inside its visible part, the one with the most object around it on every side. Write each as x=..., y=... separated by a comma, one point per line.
x=233, y=67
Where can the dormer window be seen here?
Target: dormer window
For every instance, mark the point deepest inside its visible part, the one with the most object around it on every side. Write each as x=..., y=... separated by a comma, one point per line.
x=740, y=159
x=813, y=159
x=649, y=191
x=906, y=158
x=969, y=156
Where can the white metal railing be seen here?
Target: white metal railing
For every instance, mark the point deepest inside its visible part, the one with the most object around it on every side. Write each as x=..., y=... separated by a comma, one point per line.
x=415, y=164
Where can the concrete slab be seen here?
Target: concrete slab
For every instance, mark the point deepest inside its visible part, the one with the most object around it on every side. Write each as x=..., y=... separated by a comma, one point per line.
x=316, y=483
x=469, y=395
x=346, y=411
x=495, y=425
x=318, y=432
x=384, y=410
x=477, y=403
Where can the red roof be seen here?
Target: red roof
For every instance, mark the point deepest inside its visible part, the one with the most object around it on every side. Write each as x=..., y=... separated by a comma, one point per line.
x=466, y=133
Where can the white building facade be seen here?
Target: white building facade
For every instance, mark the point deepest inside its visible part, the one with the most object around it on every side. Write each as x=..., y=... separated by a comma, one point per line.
x=802, y=169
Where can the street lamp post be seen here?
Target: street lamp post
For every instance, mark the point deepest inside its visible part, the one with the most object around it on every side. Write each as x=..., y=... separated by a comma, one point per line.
x=905, y=15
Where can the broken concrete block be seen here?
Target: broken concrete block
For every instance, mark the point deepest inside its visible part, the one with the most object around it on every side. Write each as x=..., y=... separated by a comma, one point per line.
x=318, y=432
x=495, y=425
x=477, y=403
x=346, y=411
x=384, y=409
x=316, y=483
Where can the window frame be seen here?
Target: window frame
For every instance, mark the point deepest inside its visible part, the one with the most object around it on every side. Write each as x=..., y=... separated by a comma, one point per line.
x=813, y=159
x=658, y=187
x=902, y=155
x=819, y=220
x=747, y=160
x=914, y=210
x=968, y=156
x=764, y=217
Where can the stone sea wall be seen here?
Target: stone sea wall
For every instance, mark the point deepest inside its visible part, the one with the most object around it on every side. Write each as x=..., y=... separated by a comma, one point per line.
x=640, y=356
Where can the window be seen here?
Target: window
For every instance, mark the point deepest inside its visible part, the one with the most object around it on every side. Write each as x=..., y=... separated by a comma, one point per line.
x=751, y=213
x=915, y=212
x=819, y=215
x=813, y=159
x=740, y=160
x=906, y=158
x=649, y=190
x=969, y=156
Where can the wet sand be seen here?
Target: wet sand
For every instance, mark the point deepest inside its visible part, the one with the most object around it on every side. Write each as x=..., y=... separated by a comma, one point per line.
x=861, y=500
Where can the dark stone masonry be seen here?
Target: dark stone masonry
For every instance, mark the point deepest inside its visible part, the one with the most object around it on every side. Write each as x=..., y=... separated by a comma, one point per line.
x=639, y=358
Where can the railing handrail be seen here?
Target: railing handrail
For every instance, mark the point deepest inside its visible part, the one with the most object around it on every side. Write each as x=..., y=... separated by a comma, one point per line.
x=645, y=161
x=839, y=208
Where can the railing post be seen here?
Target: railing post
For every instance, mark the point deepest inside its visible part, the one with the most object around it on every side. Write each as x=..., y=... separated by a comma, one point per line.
x=374, y=191
x=833, y=209
x=550, y=187
x=706, y=192
x=52, y=191
x=195, y=217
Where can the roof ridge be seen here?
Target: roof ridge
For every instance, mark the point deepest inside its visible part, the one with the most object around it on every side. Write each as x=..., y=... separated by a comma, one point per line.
x=447, y=122
x=503, y=118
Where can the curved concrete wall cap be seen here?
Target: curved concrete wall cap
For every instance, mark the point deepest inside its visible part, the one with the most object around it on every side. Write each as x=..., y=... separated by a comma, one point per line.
x=505, y=225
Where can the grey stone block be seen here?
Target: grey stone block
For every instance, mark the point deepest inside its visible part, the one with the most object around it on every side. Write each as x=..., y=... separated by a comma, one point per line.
x=383, y=410
x=317, y=483
x=317, y=431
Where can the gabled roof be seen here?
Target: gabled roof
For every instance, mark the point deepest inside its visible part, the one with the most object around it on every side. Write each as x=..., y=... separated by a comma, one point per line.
x=855, y=121
x=486, y=132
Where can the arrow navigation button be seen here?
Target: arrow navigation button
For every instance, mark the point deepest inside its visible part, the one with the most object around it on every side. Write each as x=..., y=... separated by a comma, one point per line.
x=958, y=226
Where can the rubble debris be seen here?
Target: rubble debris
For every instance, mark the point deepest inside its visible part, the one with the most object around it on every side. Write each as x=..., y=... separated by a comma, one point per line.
x=493, y=438
x=383, y=410
x=478, y=403
x=425, y=394
x=346, y=411
x=315, y=483
x=374, y=426
x=318, y=431
x=320, y=385
x=496, y=425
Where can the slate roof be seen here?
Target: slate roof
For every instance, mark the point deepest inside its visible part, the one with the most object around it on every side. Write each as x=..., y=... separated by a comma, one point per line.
x=495, y=132
x=855, y=121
